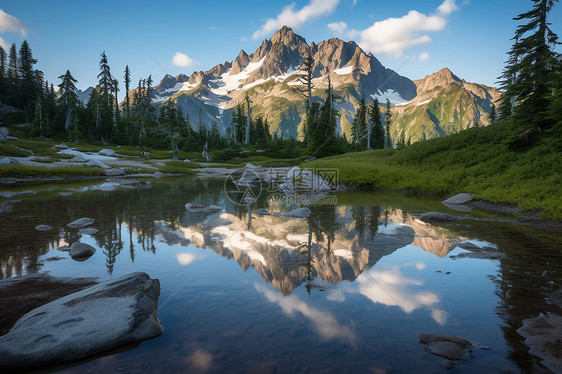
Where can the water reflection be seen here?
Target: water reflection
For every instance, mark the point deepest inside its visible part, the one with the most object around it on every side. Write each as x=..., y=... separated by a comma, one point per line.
x=348, y=256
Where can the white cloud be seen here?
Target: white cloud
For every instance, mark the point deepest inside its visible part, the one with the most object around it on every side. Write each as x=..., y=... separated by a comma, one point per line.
x=181, y=59
x=185, y=258
x=447, y=7
x=290, y=17
x=338, y=27
x=394, y=35
x=4, y=45
x=11, y=23
x=423, y=56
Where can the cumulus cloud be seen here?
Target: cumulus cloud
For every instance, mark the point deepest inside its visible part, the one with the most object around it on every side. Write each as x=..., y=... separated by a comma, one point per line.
x=447, y=7
x=295, y=18
x=11, y=23
x=393, y=35
x=423, y=56
x=181, y=59
x=4, y=45
x=338, y=27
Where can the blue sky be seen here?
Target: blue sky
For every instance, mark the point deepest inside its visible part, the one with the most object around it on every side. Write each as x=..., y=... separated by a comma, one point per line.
x=415, y=38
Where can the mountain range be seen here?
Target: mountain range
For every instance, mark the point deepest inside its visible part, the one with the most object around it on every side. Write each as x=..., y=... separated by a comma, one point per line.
x=436, y=105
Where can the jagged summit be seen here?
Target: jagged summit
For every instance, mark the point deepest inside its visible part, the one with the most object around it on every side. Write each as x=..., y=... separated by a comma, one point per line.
x=441, y=78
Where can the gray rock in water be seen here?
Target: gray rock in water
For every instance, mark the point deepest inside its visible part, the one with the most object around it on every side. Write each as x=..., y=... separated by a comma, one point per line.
x=438, y=217
x=458, y=199
x=542, y=334
x=158, y=174
x=5, y=161
x=43, y=227
x=107, y=152
x=9, y=137
x=98, y=163
x=114, y=172
x=81, y=222
x=88, y=231
x=448, y=346
x=298, y=213
x=97, y=319
x=81, y=250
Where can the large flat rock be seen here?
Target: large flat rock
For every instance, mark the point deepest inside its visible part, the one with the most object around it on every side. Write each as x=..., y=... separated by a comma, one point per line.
x=94, y=320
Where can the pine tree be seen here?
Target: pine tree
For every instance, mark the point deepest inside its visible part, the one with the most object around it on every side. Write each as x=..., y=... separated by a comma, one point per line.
x=493, y=115
x=13, y=77
x=105, y=98
x=359, y=127
x=127, y=84
x=377, y=134
x=28, y=83
x=387, y=122
x=248, y=120
x=529, y=72
x=306, y=78
x=68, y=98
x=3, y=76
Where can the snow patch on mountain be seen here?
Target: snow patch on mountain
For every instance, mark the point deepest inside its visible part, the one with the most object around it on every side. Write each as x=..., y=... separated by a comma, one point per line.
x=228, y=82
x=344, y=70
x=394, y=97
x=423, y=102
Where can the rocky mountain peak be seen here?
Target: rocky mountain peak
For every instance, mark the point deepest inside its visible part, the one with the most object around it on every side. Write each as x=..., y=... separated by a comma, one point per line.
x=285, y=35
x=441, y=78
x=240, y=62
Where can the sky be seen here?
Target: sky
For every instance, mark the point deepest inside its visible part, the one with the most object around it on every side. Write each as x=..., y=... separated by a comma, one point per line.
x=414, y=38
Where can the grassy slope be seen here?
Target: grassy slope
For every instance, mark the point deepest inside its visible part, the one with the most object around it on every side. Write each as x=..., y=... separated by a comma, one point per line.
x=477, y=161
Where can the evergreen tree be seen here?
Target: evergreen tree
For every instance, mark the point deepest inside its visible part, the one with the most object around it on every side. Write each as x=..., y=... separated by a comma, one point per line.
x=306, y=78
x=105, y=98
x=377, y=132
x=493, y=115
x=529, y=72
x=127, y=84
x=360, y=128
x=13, y=77
x=3, y=75
x=28, y=85
x=387, y=122
x=68, y=99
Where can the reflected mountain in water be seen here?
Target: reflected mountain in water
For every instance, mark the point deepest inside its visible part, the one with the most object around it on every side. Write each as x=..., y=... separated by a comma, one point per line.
x=332, y=245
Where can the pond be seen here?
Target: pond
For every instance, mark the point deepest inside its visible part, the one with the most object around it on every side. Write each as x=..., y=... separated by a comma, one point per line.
x=348, y=289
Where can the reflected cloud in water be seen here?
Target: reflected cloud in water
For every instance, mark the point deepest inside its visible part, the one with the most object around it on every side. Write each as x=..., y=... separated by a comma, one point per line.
x=324, y=323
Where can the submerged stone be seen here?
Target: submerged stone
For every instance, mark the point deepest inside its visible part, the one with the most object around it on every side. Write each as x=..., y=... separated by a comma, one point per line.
x=543, y=334
x=448, y=346
x=438, y=217
x=94, y=320
x=43, y=227
x=81, y=222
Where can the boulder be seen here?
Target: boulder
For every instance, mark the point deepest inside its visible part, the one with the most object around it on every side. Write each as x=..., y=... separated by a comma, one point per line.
x=5, y=161
x=437, y=217
x=158, y=174
x=78, y=158
x=252, y=166
x=81, y=222
x=4, y=132
x=107, y=152
x=9, y=137
x=43, y=227
x=98, y=163
x=81, y=250
x=458, y=199
x=448, y=346
x=186, y=160
x=298, y=213
x=114, y=172
x=97, y=319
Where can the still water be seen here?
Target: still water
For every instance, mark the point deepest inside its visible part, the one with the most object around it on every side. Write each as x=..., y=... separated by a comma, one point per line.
x=346, y=290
